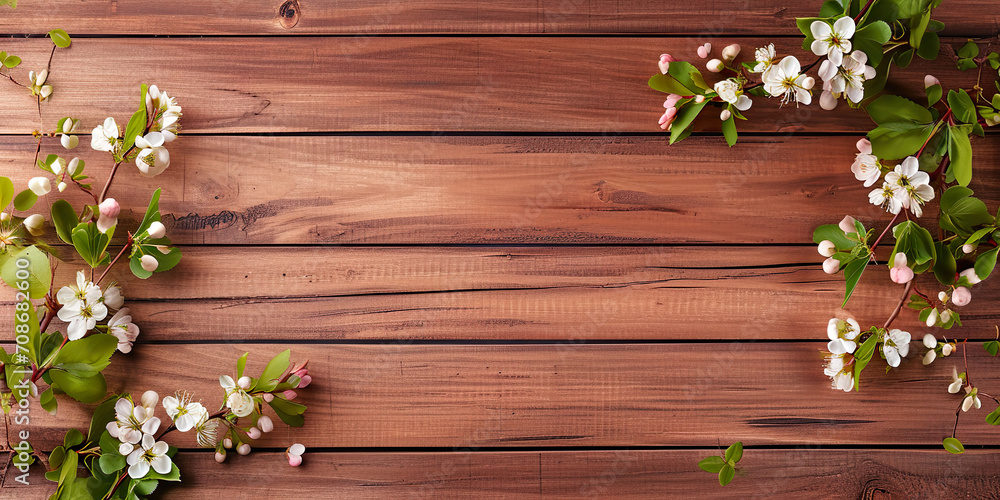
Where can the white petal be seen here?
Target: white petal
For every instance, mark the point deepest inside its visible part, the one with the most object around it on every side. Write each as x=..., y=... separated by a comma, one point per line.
x=138, y=470
x=161, y=464
x=844, y=27
x=820, y=30
x=836, y=56
x=743, y=103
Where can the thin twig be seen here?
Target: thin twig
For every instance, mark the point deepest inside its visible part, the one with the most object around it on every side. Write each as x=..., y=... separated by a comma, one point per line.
x=899, y=307
x=112, y=264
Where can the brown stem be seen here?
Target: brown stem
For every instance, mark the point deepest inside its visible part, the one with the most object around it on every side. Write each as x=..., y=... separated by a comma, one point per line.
x=899, y=306
x=884, y=232
x=112, y=264
x=11, y=78
x=114, y=170
x=864, y=10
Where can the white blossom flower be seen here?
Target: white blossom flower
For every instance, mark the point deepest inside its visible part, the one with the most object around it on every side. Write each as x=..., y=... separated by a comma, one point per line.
x=150, y=453
x=40, y=185
x=166, y=110
x=889, y=196
x=208, y=433
x=153, y=158
x=956, y=382
x=840, y=369
x=895, y=344
x=834, y=41
x=842, y=334
x=105, y=137
x=185, y=413
x=866, y=165
x=971, y=399
x=122, y=327
x=131, y=421
x=848, y=78
x=731, y=92
x=971, y=276
x=82, y=307
x=915, y=189
x=783, y=80
x=37, y=84
x=113, y=297
x=765, y=57
x=237, y=400
x=930, y=341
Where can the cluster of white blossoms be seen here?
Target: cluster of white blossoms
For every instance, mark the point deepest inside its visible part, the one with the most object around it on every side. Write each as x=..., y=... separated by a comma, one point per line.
x=971, y=398
x=136, y=426
x=83, y=305
x=843, y=72
x=783, y=78
x=163, y=115
x=840, y=363
x=905, y=187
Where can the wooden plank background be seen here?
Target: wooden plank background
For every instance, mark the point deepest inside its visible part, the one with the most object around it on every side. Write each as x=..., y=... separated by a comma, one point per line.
x=507, y=283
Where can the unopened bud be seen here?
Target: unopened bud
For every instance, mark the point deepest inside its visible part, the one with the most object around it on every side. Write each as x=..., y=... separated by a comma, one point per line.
x=715, y=65
x=968, y=248
x=943, y=296
x=808, y=83
x=254, y=433
x=725, y=115
x=304, y=381
x=265, y=423
x=244, y=449
x=831, y=266
x=930, y=81
x=290, y=395
x=4, y=216
x=827, y=248
x=730, y=52
x=828, y=101
x=157, y=230
x=961, y=296
x=40, y=186
x=970, y=274
x=109, y=208
x=930, y=341
x=34, y=224
x=664, y=63
x=149, y=263
x=227, y=443
x=932, y=318
x=244, y=382
x=847, y=225
x=947, y=349
x=268, y=397
x=220, y=456
x=699, y=98
x=704, y=50
x=945, y=316
x=69, y=141
x=61, y=186
x=929, y=357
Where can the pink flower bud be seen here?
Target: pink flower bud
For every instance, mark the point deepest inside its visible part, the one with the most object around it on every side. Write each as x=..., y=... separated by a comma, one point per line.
x=244, y=382
x=671, y=102
x=704, y=50
x=294, y=454
x=930, y=81
x=725, y=115
x=900, y=272
x=304, y=382
x=294, y=460
x=220, y=456
x=831, y=266
x=828, y=101
x=715, y=65
x=254, y=433
x=268, y=397
x=265, y=423
x=301, y=372
x=847, y=225
x=864, y=146
x=290, y=395
x=227, y=443
x=110, y=208
x=961, y=297
x=244, y=449
x=665, y=60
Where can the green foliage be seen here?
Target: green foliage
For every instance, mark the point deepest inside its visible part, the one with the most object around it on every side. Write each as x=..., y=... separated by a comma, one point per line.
x=6, y=192
x=729, y=130
x=864, y=354
x=916, y=243
x=64, y=219
x=92, y=244
x=25, y=200
x=60, y=38
x=903, y=126
x=992, y=347
x=961, y=213
x=144, y=245
x=952, y=445
x=870, y=39
x=724, y=466
x=39, y=275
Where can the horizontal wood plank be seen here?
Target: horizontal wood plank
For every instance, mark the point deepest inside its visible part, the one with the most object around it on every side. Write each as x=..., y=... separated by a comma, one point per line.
x=570, y=395
x=771, y=473
x=564, y=84
x=375, y=17
x=509, y=293
x=495, y=190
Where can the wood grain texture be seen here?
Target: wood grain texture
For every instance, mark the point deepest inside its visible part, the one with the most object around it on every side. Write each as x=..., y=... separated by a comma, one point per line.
x=569, y=395
x=496, y=190
x=791, y=473
x=562, y=84
x=507, y=294
x=374, y=17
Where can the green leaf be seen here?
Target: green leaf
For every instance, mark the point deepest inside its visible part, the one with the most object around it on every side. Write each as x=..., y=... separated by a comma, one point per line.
x=898, y=140
x=84, y=390
x=729, y=131
x=832, y=232
x=277, y=366
x=992, y=347
x=831, y=8
x=916, y=243
x=944, y=265
x=875, y=85
x=969, y=50
x=895, y=109
x=146, y=486
x=712, y=464
x=72, y=439
x=173, y=475
x=918, y=27
x=92, y=244
x=39, y=273
x=726, y=474
x=104, y=413
x=685, y=116
x=961, y=213
x=12, y=62
x=960, y=152
x=48, y=401
x=688, y=76
x=930, y=47
x=910, y=8
x=60, y=38
x=667, y=84
x=986, y=262
x=289, y=412
x=862, y=356
x=135, y=127
x=904, y=58
x=735, y=452
x=954, y=446
x=64, y=219
x=67, y=473
x=933, y=94
x=25, y=200
x=111, y=460
x=6, y=192
x=870, y=39
x=852, y=274
x=241, y=365
x=94, y=351
x=962, y=106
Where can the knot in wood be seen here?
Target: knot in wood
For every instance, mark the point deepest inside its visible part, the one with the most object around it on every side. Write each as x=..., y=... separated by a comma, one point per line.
x=288, y=14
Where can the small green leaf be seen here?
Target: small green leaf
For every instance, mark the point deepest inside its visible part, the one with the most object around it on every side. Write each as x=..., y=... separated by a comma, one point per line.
x=84, y=390
x=933, y=94
x=862, y=356
x=945, y=266
x=12, y=61
x=241, y=364
x=64, y=219
x=895, y=109
x=870, y=39
x=986, y=262
x=685, y=116
x=25, y=200
x=48, y=401
x=852, y=274
x=726, y=474
x=729, y=131
x=712, y=464
x=992, y=347
x=39, y=277
x=969, y=50
x=277, y=366
x=667, y=84
x=952, y=445
x=962, y=106
x=994, y=417
x=60, y=38
x=735, y=452
x=6, y=192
